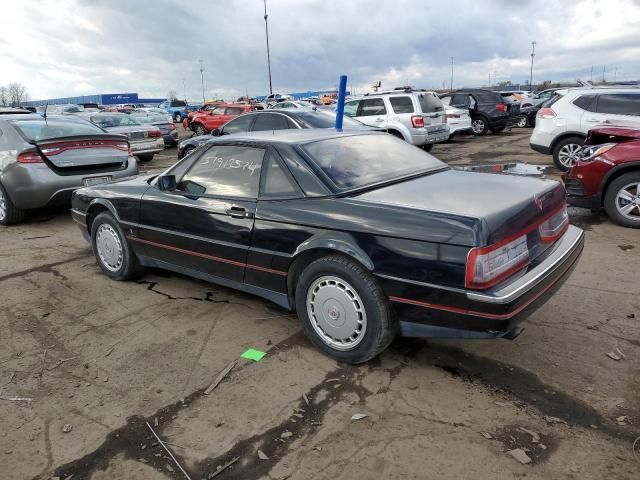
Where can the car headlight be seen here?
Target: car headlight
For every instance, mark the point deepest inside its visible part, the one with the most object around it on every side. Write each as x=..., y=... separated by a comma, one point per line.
x=592, y=152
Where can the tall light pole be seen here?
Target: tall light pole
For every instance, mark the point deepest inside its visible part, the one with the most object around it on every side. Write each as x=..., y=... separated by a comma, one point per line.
x=451, y=84
x=202, y=77
x=184, y=89
x=533, y=54
x=266, y=31
x=615, y=74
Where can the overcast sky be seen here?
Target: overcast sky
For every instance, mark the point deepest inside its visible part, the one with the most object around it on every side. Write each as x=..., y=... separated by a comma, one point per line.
x=74, y=47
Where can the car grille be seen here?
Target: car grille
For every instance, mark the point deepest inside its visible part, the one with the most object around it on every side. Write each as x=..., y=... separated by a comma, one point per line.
x=574, y=187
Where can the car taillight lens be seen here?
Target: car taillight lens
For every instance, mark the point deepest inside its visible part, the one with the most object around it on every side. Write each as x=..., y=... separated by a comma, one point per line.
x=591, y=152
x=29, y=157
x=501, y=107
x=155, y=133
x=487, y=266
x=546, y=113
x=417, y=121
x=553, y=228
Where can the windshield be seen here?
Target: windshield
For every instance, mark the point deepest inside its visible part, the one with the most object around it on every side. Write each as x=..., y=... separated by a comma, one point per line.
x=108, y=121
x=41, y=129
x=324, y=119
x=150, y=117
x=360, y=160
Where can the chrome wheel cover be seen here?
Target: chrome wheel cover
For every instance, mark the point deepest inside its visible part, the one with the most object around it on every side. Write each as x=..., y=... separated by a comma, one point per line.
x=522, y=122
x=336, y=312
x=3, y=206
x=569, y=153
x=109, y=247
x=628, y=201
x=477, y=126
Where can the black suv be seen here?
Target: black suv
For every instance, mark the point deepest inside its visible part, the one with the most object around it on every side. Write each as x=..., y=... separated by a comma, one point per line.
x=487, y=109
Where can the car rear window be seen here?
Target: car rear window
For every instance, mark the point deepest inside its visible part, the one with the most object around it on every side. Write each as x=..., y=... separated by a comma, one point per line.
x=429, y=102
x=323, y=119
x=488, y=97
x=40, y=129
x=108, y=121
x=401, y=104
x=151, y=117
x=360, y=160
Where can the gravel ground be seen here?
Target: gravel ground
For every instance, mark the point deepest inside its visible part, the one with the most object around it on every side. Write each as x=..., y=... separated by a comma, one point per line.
x=99, y=359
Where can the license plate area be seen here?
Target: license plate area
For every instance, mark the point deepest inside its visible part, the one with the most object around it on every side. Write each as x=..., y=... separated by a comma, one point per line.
x=90, y=181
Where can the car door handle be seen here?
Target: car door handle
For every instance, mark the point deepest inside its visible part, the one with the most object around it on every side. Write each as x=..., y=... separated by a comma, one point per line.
x=379, y=119
x=593, y=120
x=239, y=212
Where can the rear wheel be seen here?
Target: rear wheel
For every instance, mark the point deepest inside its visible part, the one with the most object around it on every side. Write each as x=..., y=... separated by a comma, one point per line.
x=145, y=158
x=622, y=200
x=566, y=152
x=200, y=130
x=479, y=126
x=343, y=310
x=522, y=122
x=112, y=250
x=187, y=150
x=9, y=213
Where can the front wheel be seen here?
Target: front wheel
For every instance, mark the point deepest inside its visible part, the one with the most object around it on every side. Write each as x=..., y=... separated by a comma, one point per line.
x=622, y=200
x=112, y=250
x=343, y=310
x=200, y=130
x=479, y=126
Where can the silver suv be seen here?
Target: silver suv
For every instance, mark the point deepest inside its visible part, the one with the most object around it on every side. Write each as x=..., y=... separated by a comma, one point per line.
x=417, y=116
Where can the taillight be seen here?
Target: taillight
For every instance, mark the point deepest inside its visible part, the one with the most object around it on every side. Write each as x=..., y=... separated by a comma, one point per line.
x=501, y=107
x=155, y=133
x=417, y=121
x=546, y=113
x=29, y=157
x=554, y=227
x=487, y=266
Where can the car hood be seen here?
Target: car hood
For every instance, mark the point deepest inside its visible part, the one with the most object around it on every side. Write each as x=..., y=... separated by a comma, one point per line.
x=503, y=204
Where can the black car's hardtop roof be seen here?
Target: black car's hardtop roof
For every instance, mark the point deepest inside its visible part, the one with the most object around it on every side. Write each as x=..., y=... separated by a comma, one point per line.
x=293, y=137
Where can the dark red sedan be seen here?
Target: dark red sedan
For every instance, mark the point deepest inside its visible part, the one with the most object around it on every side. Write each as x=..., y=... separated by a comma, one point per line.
x=608, y=174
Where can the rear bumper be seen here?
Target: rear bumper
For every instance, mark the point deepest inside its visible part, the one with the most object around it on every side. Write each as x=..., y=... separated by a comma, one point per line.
x=435, y=311
x=540, y=149
x=36, y=185
x=170, y=138
x=144, y=147
x=425, y=138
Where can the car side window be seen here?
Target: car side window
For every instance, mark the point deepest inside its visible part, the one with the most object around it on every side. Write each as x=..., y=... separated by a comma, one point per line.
x=371, y=107
x=619, y=103
x=226, y=171
x=460, y=99
x=233, y=111
x=585, y=102
x=401, y=104
x=218, y=111
x=240, y=124
x=351, y=108
x=271, y=121
x=276, y=182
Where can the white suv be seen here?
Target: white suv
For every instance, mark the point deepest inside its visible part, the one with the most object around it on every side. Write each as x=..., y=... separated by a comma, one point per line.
x=563, y=122
x=416, y=116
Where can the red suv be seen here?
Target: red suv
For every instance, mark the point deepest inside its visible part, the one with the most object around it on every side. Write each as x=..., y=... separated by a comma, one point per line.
x=608, y=174
x=204, y=122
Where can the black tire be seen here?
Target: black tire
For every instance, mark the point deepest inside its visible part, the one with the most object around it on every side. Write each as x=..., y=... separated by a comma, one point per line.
x=200, y=129
x=380, y=328
x=187, y=150
x=9, y=213
x=610, y=200
x=561, y=148
x=428, y=147
x=177, y=117
x=479, y=126
x=129, y=267
x=145, y=158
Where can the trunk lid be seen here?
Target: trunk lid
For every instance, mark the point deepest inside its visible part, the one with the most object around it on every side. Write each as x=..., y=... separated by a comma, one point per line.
x=85, y=154
x=503, y=204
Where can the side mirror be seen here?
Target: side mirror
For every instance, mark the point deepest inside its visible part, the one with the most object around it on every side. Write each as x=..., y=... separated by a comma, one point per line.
x=167, y=183
x=216, y=132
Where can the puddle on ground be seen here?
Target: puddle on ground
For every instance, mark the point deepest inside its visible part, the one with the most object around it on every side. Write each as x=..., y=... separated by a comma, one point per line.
x=513, y=168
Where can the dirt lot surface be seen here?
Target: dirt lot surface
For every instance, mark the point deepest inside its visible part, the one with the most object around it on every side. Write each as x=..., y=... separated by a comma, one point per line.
x=99, y=359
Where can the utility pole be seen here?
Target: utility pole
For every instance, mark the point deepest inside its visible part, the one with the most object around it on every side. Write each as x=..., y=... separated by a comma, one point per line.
x=202, y=78
x=615, y=74
x=184, y=89
x=266, y=30
x=591, y=74
x=533, y=54
x=451, y=84
x=604, y=69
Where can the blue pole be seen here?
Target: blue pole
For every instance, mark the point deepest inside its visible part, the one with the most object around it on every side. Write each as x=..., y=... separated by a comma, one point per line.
x=342, y=92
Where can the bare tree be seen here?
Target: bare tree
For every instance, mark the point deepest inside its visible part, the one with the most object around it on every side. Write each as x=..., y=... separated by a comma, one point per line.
x=3, y=96
x=172, y=95
x=17, y=94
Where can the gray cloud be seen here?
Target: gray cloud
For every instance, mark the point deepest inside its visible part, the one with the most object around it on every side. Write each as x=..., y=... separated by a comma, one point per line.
x=88, y=46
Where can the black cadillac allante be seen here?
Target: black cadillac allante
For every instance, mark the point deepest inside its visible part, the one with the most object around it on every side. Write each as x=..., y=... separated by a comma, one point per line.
x=360, y=233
